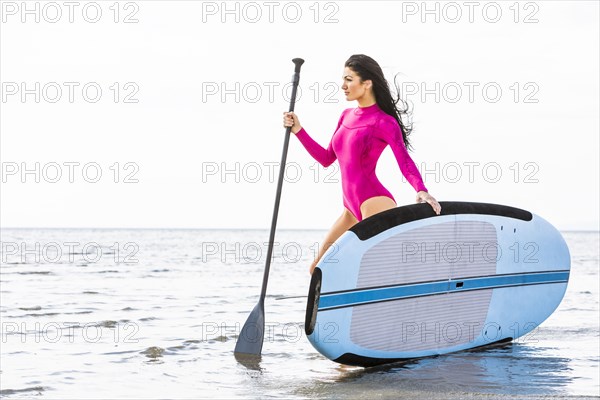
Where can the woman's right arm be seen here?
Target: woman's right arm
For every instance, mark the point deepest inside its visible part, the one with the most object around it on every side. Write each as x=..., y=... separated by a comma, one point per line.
x=323, y=156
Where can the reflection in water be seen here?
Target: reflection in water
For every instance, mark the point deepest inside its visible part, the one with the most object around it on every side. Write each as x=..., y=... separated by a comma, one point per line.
x=501, y=370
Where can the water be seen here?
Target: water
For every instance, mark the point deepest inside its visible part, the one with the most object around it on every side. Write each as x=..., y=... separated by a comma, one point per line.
x=155, y=313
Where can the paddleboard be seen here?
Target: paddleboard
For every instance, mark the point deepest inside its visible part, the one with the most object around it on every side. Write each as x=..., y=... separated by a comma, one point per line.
x=406, y=283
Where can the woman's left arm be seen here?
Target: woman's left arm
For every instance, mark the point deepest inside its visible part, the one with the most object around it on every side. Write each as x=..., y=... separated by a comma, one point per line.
x=389, y=131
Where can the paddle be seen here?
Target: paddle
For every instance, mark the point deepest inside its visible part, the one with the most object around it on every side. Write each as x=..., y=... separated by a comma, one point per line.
x=250, y=340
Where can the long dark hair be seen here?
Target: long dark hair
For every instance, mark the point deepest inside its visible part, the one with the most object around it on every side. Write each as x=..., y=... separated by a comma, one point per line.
x=368, y=69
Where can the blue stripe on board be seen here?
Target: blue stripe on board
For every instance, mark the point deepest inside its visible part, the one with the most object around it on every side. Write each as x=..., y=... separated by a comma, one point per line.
x=366, y=296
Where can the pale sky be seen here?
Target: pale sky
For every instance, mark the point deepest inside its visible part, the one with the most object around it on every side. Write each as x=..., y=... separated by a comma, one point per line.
x=186, y=131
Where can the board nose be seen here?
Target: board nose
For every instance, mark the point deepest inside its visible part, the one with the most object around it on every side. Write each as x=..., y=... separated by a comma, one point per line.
x=312, y=304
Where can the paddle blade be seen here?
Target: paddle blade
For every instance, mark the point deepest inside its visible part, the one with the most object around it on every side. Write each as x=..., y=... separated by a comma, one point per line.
x=251, y=336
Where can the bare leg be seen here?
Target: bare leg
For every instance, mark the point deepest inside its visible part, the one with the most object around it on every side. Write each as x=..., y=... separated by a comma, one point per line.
x=376, y=205
x=341, y=225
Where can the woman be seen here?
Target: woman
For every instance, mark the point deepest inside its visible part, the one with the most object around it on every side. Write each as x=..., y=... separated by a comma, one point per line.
x=361, y=136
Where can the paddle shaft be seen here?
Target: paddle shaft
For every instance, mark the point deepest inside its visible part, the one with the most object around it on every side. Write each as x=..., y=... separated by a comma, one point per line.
x=251, y=336
x=296, y=79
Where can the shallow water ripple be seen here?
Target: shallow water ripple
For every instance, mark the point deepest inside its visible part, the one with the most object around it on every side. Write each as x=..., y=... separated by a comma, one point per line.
x=157, y=314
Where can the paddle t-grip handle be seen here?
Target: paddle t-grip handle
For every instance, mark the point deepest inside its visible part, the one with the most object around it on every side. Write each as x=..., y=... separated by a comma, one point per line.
x=295, y=81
